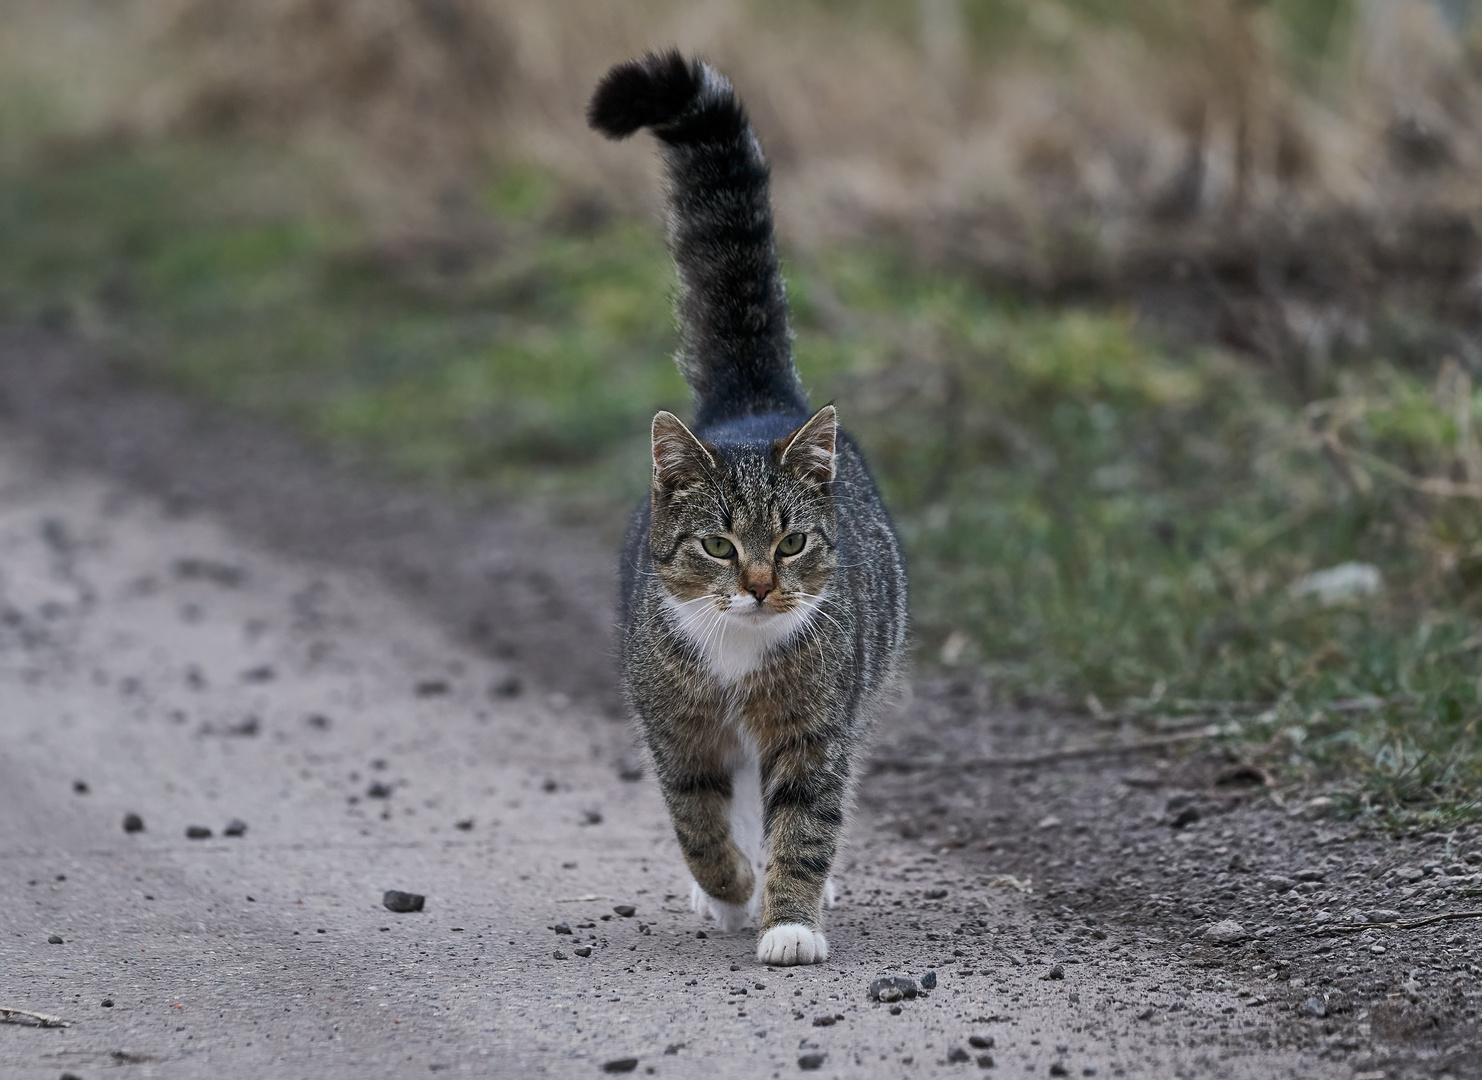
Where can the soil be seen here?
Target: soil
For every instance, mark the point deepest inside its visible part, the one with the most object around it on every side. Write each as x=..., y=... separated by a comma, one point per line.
x=203, y=623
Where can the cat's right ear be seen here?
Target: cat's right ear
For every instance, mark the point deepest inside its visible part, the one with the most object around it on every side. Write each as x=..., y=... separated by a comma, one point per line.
x=680, y=459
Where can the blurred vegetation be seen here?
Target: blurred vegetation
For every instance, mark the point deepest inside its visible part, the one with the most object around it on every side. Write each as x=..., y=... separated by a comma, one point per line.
x=1100, y=511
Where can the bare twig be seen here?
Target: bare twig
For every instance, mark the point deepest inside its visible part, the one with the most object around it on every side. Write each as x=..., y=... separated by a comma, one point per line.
x=1402, y=924
x=881, y=765
x=41, y=1019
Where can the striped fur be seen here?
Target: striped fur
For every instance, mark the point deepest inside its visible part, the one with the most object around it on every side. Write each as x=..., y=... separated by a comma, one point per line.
x=757, y=668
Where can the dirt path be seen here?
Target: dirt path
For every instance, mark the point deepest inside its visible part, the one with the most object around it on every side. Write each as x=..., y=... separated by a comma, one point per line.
x=197, y=633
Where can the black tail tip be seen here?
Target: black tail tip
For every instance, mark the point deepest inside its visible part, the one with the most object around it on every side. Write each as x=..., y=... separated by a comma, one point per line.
x=643, y=93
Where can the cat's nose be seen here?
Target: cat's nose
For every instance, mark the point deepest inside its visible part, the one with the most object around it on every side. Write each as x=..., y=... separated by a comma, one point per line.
x=759, y=589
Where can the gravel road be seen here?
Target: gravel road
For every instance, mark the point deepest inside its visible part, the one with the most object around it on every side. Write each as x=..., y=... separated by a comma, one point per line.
x=370, y=683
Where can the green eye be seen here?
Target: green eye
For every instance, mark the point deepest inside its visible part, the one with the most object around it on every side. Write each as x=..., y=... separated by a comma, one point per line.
x=792, y=543
x=718, y=547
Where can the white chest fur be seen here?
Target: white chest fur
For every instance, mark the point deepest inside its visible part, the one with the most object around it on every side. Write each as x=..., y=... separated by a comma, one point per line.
x=732, y=642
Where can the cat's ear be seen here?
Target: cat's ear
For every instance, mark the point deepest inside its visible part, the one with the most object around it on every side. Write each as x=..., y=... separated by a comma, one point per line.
x=680, y=459
x=809, y=451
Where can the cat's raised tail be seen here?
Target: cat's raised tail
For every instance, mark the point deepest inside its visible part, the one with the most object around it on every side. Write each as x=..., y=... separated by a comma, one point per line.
x=736, y=348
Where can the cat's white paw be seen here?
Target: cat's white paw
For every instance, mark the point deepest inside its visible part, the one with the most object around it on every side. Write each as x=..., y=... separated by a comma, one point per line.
x=728, y=917
x=830, y=894
x=792, y=943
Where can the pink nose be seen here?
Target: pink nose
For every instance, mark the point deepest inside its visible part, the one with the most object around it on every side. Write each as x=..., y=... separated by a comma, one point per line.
x=759, y=589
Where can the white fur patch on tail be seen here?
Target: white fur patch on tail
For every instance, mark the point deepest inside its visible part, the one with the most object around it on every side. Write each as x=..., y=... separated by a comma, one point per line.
x=792, y=943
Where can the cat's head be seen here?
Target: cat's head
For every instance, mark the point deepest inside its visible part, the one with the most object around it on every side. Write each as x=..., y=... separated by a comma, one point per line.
x=749, y=528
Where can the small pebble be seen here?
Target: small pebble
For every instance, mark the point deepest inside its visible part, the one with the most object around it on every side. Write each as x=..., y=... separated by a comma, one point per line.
x=619, y=1065
x=824, y=1021
x=1186, y=817
x=562, y=928
x=929, y=981
x=627, y=911
x=1056, y=972
x=981, y=1042
x=70, y=1076
x=934, y=894
x=1315, y=1007
x=957, y=1053
x=403, y=902
x=890, y=988
x=585, y=950
x=701, y=935
x=133, y=823
x=55, y=939
x=985, y=1061
x=464, y=825
x=1226, y=932
x=895, y=1010
x=235, y=827
x=591, y=817
x=1058, y=1069
x=509, y=686
x=107, y=1003
x=559, y=955
x=80, y=787
x=379, y=790
x=809, y=1062
x=197, y=832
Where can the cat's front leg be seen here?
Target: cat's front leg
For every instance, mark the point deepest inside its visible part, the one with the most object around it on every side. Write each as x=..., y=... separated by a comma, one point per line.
x=699, y=799
x=804, y=815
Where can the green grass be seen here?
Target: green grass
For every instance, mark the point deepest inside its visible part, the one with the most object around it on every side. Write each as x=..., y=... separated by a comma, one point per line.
x=1089, y=515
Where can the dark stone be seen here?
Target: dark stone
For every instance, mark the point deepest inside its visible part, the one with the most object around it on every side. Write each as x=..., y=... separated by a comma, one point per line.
x=562, y=928
x=591, y=817
x=197, y=832
x=627, y=911
x=958, y=1054
x=133, y=823
x=980, y=1042
x=235, y=827
x=1187, y=816
x=403, y=902
x=55, y=939
x=701, y=935
x=1056, y=972
x=619, y=1065
x=1059, y=1069
x=934, y=894
x=895, y=1010
x=507, y=687
x=809, y=1062
x=929, y=981
x=559, y=955
x=584, y=951
x=985, y=1061
x=893, y=988
x=107, y=1003
x=464, y=825
x=80, y=787
x=824, y=1021
x=432, y=688
x=378, y=790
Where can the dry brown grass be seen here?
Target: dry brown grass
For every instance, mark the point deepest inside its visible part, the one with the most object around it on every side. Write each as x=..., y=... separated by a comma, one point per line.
x=1071, y=156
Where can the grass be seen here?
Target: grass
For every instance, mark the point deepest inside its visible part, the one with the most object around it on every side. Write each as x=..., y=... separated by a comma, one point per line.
x=1090, y=515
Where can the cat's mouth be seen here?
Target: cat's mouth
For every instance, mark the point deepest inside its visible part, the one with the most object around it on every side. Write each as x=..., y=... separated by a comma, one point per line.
x=749, y=607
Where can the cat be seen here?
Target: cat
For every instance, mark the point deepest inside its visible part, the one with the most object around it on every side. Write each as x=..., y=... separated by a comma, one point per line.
x=763, y=589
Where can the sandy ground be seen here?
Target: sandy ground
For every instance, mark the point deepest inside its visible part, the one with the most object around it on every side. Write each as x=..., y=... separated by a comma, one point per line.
x=196, y=632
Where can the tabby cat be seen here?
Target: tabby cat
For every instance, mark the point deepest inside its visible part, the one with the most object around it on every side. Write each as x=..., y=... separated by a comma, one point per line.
x=763, y=592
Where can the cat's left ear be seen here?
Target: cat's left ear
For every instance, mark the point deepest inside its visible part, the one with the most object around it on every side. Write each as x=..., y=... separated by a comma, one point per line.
x=809, y=451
